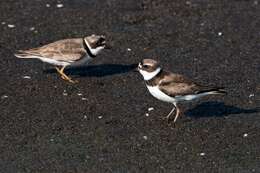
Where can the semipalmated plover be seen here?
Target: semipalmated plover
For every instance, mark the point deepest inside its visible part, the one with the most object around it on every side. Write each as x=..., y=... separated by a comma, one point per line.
x=67, y=52
x=172, y=88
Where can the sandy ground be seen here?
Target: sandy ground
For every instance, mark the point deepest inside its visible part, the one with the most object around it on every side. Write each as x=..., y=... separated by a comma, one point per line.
x=101, y=124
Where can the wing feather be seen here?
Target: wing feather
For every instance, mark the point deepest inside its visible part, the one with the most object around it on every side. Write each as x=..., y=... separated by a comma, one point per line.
x=176, y=84
x=63, y=50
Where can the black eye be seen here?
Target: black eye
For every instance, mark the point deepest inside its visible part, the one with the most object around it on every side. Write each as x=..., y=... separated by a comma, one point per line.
x=100, y=41
x=145, y=66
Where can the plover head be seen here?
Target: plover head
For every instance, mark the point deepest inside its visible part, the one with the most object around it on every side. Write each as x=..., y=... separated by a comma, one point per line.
x=96, y=43
x=149, y=68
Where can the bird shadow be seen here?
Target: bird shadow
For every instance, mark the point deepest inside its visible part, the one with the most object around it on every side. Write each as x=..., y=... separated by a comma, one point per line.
x=217, y=109
x=97, y=70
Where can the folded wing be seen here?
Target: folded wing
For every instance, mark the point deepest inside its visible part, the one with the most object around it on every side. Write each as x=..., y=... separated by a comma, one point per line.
x=64, y=50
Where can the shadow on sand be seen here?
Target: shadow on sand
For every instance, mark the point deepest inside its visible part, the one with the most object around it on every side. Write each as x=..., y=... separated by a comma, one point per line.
x=97, y=70
x=217, y=109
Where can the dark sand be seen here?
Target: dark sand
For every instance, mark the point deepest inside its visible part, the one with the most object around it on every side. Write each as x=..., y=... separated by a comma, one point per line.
x=44, y=129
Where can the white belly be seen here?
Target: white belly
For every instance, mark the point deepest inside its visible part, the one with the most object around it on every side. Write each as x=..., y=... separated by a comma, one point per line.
x=79, y=62
x=54, y=62
x=154, y=90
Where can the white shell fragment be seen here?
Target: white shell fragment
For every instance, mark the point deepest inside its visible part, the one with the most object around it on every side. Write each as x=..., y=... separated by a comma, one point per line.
x=251, y=95
x=4, y=97
x=11, y=26
x=150, y=109
x=59, y=5
x=202, y=154
x=27, y=77
x=32, y=28
x=219, y=33
x=245, y=135
x=65, y=93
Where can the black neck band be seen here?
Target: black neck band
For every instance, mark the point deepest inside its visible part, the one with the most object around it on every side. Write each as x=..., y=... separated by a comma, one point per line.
x=87, y=49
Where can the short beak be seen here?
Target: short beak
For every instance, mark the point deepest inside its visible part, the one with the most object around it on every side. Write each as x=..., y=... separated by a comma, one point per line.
x=137, y=67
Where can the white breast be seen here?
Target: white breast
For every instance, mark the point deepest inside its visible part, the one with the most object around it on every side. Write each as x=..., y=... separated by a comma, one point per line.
x=157, y=93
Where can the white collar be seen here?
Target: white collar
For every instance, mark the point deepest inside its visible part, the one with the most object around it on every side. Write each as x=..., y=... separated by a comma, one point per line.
x=150, y=75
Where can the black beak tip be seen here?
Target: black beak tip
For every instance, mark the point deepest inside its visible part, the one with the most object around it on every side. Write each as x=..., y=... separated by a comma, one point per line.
x=135, y=68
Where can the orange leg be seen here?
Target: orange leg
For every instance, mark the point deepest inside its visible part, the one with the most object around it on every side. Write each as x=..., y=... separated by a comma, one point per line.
x=63, y=75
x=178, y=112
x=168, y=116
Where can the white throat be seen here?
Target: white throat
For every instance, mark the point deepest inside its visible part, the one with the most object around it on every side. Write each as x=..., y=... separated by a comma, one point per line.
x=96, y=50
x=150, y=75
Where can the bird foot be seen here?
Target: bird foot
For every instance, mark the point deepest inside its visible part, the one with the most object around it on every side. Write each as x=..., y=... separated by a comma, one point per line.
x=167, y=119
x=66, y=78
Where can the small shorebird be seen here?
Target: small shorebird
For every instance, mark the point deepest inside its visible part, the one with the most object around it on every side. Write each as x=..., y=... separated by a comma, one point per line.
x=172, y=88
x=67, y=52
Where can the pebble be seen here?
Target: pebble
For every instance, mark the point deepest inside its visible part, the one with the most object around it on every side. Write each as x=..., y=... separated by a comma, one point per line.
x=150, y=109
x=3, y=23
x=59, y=5
x=79, y=94
x=145, y=137
x=65, y=93
x=128, y=49
x=83, y=98
x=85, y=117
x=245, y=135
x=188, y=2
x=48, y=5
x=219, y=33
x=147, y=114
x=251, y=95
x=100, y=117
x=32, y=28
x=27, y=77
x=10, y=26
x=4, y=97
x=202, y=154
